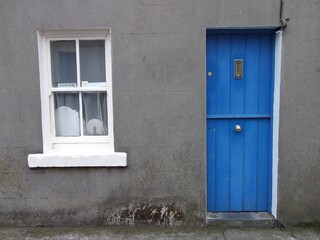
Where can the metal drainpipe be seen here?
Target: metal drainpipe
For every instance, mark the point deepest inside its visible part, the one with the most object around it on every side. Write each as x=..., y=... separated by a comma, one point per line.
x=283, y=21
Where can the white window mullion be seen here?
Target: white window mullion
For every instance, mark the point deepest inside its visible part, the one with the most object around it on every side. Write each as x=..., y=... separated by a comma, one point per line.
x=80, y=113
x=79, y=86
x=78, y=62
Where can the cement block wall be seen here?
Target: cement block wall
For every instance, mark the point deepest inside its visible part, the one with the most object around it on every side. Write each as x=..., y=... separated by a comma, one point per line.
x=159, y=109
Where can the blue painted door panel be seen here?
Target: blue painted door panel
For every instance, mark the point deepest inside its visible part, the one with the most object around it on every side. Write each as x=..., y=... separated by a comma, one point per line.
x=239, y=163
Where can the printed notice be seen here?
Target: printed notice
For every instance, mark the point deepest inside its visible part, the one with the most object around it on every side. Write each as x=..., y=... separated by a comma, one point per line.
x=67, y=85
x=93, y=84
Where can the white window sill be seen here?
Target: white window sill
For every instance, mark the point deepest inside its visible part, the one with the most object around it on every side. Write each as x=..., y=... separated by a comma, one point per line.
x=112, y=159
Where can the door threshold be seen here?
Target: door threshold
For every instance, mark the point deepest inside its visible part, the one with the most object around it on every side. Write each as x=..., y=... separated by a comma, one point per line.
x=242, y=219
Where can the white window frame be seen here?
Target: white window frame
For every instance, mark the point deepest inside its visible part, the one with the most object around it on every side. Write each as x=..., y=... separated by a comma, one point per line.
x=83, y=151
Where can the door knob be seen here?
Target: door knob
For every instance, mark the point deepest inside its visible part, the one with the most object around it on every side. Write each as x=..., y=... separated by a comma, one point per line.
x=237, y=128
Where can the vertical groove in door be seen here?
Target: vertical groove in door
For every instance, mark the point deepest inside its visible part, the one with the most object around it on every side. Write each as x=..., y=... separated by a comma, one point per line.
x=215, y=166
x=244, y=126
x=230, y=74
x=229, y=200
x=215, y=76
x=229, y=121
x=244, y=154
x=257, y=175
x=258, y=125
x=229, y=147
x=242, y=151
x=243, y=168
x=257, y=162
x=215, y=129
x=245, y=72
x=259, y=79
x=257, y=172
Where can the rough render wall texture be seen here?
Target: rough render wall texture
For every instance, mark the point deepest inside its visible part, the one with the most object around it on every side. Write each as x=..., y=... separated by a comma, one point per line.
x=159, y=108
x=299, y=149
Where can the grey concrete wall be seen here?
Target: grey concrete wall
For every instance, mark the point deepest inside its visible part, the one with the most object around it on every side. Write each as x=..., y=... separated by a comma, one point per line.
x=159, y=109
x=299, y=149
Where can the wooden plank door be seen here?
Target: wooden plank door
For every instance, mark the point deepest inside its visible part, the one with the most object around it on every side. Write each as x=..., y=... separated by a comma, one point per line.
x=239, y=120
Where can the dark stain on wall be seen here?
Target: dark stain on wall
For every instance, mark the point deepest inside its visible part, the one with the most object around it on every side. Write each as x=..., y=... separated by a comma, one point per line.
x=145, y=213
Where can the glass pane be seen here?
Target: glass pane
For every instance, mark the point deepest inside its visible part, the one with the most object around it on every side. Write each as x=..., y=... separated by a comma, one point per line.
x=95, y=113
x=63, y=64
x=92, y=63
x=66, y=113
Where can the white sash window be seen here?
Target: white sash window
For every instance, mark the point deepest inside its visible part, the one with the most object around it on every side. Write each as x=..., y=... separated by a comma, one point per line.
x=76, y=93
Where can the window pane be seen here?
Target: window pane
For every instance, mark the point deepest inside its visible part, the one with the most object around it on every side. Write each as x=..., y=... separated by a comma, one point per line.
x=92, y=63
x=95, y=113
x=66, y=114
x=63, y=64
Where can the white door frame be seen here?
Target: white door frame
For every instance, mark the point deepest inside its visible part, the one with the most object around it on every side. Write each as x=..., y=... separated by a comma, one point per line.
x=276, y=117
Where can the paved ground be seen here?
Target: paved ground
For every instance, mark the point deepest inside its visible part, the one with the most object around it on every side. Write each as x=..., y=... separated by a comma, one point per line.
x=117, y=233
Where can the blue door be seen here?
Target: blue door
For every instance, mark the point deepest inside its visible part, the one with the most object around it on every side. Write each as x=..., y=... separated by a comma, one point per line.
x=239, y=120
